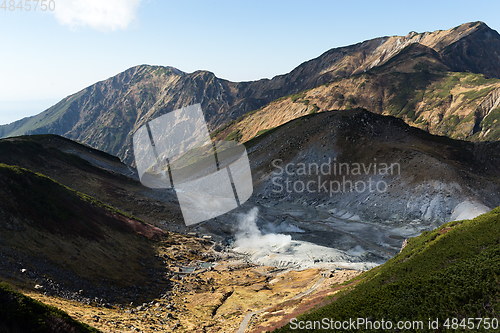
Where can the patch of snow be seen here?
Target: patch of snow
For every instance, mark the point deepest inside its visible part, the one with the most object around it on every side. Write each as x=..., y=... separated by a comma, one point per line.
x=467, y=210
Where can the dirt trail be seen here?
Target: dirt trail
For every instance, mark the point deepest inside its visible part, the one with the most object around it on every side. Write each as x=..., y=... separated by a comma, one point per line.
x=246, y=320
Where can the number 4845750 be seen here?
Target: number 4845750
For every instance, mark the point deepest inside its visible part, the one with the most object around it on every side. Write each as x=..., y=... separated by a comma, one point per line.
x=28, y=5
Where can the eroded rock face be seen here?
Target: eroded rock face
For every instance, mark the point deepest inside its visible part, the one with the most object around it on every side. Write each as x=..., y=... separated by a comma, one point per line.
x=430, y=177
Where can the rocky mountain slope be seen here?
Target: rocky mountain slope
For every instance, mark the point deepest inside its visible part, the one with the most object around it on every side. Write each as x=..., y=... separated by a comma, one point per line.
x=359, y=183
x=106, y=114
x=69, y=244
x=415, y=85
x=423, y=178
x=94, y=173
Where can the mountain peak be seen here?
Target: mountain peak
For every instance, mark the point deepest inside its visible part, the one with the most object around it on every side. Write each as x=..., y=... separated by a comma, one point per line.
x=477, y=24
x=472, y=47
x=141, y=69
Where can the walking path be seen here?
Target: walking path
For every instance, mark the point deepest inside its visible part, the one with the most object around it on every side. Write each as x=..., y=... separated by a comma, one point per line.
x=244, y=324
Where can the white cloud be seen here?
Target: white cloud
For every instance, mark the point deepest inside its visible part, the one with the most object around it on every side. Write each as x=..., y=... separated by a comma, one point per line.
x=102, y=15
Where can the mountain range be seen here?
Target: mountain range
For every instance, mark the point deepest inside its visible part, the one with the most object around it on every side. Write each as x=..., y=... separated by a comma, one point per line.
x=445, y=82
x=79, y=231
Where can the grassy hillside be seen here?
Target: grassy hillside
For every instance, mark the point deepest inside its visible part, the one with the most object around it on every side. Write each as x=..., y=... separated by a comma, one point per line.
x=450, y=272
x=58, y=234
x=19, y=313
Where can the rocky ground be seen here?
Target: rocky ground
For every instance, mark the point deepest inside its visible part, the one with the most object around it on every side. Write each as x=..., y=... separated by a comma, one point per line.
x=211, y=300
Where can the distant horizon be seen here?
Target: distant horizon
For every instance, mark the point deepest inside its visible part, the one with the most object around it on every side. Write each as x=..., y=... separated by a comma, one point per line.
x=235, y=41
x=18, y=110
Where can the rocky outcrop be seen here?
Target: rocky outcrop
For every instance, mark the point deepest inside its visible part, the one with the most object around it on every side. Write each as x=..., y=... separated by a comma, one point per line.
x=491, y=102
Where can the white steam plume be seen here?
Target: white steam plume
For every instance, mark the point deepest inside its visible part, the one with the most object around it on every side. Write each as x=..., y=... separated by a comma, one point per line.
x=249, y=238
x=281, y=251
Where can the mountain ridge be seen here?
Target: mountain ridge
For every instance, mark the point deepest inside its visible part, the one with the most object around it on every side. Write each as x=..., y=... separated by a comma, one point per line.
x=415, y=85
x=106, y=114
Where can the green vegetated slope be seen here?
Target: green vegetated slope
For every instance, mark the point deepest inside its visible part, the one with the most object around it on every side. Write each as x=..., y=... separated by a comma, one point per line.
x=19, y=313
x=450, y=272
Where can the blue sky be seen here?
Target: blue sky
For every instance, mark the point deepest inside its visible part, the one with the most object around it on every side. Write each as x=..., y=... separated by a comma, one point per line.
x=46, y=56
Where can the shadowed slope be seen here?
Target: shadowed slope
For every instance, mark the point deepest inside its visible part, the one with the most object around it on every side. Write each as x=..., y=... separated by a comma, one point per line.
x=58, y=235
x=19, y=313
